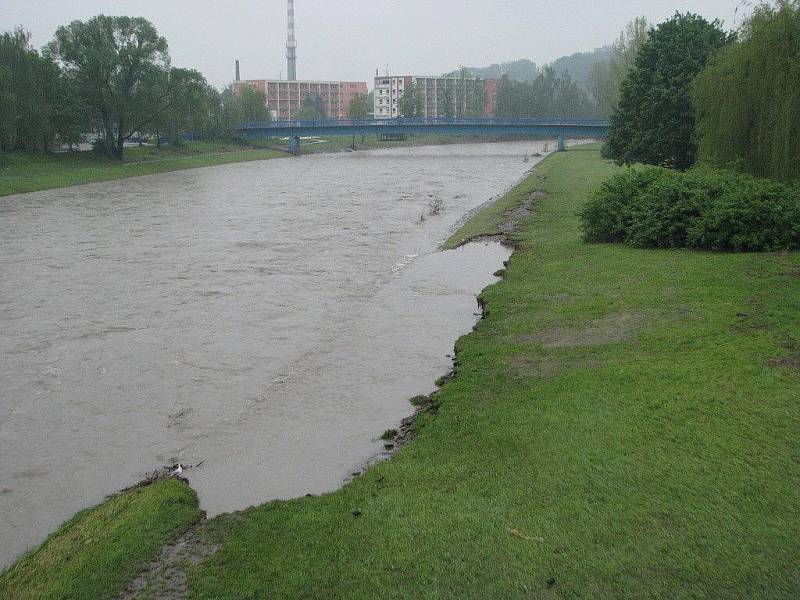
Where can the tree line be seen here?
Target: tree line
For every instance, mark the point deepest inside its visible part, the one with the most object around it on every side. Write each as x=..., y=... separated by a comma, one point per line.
x=696, y=93
x=549, y=95
x=718, y=114
x=457, y=95
x=113, y=76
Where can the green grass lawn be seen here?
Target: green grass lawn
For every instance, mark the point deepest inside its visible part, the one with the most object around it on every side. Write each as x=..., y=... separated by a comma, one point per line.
x=623, y=424
x=29, y=173
x=99, y=551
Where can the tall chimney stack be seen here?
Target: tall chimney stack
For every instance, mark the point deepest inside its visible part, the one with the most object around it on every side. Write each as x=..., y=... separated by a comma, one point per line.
x=291, y=46
x=238, y=74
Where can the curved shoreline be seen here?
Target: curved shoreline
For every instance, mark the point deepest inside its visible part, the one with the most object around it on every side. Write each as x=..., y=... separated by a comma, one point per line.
x=432, y=232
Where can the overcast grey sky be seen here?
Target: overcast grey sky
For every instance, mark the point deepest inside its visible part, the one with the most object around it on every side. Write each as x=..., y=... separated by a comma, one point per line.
x=349, y=39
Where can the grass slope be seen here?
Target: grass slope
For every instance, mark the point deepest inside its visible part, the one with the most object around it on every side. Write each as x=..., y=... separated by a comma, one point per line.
x=99, y=551
x=487, y=222
x=623, y=424
x=29, y=173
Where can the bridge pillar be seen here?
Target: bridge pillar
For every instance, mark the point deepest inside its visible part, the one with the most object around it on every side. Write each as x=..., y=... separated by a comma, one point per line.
x=294, y=145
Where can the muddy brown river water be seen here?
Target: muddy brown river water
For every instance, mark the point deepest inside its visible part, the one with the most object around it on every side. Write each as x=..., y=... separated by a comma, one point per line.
x=268, y=319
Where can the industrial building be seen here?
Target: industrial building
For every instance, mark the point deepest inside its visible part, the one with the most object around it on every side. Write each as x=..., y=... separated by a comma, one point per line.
x=285, y=97
x=436, y=96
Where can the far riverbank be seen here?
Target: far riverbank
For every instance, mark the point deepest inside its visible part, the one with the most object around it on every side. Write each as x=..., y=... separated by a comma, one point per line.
x=23, y=173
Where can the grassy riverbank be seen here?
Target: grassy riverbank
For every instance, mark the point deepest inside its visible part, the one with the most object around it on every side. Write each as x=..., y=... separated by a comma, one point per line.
x=29, y=173
x=21, y=173
x=97, y=552
x=622, y=424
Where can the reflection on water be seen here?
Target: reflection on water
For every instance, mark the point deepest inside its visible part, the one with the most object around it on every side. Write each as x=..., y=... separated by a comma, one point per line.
x=270, y=319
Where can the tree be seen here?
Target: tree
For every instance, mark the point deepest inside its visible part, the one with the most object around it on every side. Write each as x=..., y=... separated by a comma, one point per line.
x=225, y=111
x=64, y=115
x=189, y=110
x=469, y=96
x=654, y=122
x=606, y=77
x=549, y=95
x=8, y=113
x=446, y=98
x=359, y=107
x=252, y=104
x=122, y=68
x=411, y=102
x=313, y=109
x=747, y=99
x=602, y=87
x=39, y=103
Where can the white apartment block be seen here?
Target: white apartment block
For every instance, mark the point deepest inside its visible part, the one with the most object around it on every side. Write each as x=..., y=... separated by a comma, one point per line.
x=388, y=91
x=433, y=92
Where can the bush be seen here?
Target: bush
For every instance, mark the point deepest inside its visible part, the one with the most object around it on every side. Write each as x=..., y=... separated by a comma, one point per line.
x=607, y=216
x=703, y=208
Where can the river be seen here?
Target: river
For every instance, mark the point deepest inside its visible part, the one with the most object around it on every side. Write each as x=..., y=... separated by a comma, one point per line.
x=267, y=319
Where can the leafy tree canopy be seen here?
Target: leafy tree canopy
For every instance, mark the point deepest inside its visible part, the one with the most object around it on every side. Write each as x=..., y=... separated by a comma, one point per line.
x=38, y=103
x=123, y=73
x=654, y=122
x=549, y=95
x=312, y=109
x=606, y=76
x=410, y=104
x=359, y=107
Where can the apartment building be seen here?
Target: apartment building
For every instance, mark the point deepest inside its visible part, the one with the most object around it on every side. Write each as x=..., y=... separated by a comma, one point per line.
x=285, y=98
x=436, y=96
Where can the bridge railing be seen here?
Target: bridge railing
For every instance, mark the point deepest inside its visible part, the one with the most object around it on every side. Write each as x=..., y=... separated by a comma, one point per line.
x=423, y=121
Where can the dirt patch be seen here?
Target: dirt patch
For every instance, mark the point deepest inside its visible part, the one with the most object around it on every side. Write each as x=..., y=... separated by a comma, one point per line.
x=617, y=327
x=532, y=366
x=752, y=318
x=791, y=362
x=515, y=217
x=165, y=577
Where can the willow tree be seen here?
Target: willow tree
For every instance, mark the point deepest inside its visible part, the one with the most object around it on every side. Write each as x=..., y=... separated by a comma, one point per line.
x=748, y=97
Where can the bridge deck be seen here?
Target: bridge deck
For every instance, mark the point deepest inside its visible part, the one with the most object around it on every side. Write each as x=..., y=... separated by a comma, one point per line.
x=559, y=127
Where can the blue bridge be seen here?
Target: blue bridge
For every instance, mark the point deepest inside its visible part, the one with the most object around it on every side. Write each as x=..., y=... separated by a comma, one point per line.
x=490, y=126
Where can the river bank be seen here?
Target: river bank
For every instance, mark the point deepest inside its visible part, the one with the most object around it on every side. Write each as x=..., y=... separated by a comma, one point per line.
x=621, y=422
x=229, y=317
x=24, y=173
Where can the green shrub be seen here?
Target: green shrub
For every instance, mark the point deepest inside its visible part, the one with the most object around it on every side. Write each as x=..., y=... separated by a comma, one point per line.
x=756, y=215
x=607, y=216
x=703, y=208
